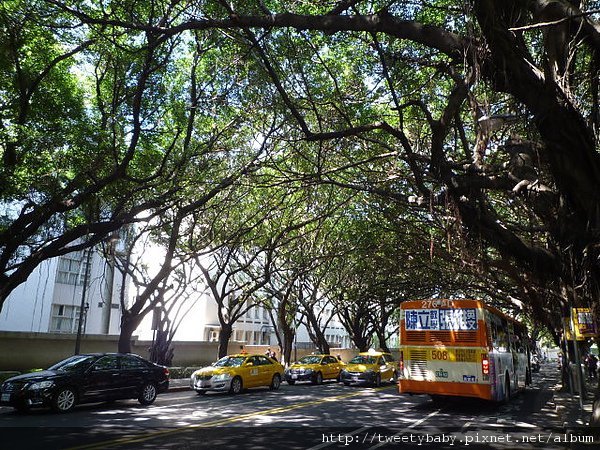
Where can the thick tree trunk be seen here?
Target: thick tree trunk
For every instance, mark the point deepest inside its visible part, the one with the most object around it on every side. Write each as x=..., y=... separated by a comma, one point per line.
x=382, y=341
x=129, y=324
x=224, y=337
x=287, y=341
x=361, y=342
x=285, y=311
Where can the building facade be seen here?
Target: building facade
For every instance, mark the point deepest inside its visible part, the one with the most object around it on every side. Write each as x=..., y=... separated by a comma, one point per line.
x=51, y=299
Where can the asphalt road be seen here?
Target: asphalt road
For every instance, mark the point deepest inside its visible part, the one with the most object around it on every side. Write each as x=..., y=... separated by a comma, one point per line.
x=301, y=416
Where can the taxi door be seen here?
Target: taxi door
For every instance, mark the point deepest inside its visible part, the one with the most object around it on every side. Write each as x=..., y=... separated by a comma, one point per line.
x=251, y=372
x=332, y=368
x=266, y=370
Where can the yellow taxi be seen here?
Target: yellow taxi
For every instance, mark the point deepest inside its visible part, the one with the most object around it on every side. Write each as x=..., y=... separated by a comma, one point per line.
x=370, y=368
x=314, y=368
x=234, y=373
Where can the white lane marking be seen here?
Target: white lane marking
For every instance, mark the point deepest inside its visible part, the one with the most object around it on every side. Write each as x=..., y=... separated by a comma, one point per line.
x=410, y=427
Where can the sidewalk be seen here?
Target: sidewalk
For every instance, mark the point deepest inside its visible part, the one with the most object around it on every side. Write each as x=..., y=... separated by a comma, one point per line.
x=568, y=405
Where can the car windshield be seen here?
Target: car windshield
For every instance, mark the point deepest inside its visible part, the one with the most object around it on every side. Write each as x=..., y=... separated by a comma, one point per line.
x=310, y=359
x=230, y=361
x=74, y=363
x=362, y=359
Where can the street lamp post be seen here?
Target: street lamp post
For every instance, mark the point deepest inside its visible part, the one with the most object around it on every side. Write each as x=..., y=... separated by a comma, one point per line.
x=86, y=274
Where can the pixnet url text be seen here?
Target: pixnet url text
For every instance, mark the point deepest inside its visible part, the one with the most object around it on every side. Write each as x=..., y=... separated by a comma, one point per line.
x=453, y=439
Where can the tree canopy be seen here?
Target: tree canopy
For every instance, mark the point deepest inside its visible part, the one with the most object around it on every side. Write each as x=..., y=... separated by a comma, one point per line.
x=473, y=124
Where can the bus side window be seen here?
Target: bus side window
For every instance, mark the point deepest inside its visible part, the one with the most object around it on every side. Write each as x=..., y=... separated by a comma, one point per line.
x=501, y=336
x=494, y=332
x=520, y=340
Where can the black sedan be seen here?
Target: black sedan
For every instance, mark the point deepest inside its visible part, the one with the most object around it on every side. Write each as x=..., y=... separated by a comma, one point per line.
x=84, y=379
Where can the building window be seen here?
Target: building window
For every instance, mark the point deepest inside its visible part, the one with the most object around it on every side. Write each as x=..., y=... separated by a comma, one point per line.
x=213, y=336
x=71, y=269
x=65, y=319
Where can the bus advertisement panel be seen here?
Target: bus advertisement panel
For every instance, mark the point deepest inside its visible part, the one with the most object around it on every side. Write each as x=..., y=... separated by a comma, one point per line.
x=461, y=348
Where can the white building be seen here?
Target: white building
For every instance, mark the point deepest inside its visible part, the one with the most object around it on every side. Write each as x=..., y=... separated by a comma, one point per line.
x=253, y=328
x=50, y=300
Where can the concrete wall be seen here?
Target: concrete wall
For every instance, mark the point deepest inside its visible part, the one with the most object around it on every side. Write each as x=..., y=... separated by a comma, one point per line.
x=26, y=351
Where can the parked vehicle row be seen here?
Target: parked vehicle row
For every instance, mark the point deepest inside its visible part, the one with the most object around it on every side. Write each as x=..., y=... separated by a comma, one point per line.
x=113, y=376
x=236, y=372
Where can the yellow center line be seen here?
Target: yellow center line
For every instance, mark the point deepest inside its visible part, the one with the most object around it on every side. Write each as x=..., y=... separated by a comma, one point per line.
x=218, y=422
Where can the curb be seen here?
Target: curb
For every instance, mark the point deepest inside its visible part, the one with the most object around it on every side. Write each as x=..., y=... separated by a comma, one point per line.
x=179, y=384
x=179, y=389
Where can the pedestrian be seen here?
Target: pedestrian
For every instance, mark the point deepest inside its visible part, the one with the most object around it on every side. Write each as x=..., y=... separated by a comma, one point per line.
x=270, y=353
x=592, y=363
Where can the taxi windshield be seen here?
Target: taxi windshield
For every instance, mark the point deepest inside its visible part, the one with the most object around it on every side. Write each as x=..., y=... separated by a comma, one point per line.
x=310, y=359
x=230, y=361
x=363, y=359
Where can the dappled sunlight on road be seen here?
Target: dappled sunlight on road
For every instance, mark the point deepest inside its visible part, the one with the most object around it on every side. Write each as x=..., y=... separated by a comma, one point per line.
x=187, y=417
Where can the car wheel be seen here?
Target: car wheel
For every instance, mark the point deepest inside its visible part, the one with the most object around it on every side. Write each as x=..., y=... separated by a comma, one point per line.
x=148, y=394
x=291, y=382
x=64, y=400
x=377, y=382
x=236, y=386
x=275, y=382
x=318, y=378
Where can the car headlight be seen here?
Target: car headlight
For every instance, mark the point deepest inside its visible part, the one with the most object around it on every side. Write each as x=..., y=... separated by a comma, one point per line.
x=221, y=377
x=308, y=371
x=369, y=371
x=41, y=385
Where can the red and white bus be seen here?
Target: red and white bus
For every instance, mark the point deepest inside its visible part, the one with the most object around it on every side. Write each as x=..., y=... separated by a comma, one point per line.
x=461, y=348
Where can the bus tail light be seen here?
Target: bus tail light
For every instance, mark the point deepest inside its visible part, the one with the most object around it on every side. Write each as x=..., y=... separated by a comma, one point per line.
x=401, y=362
x=485, y=365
